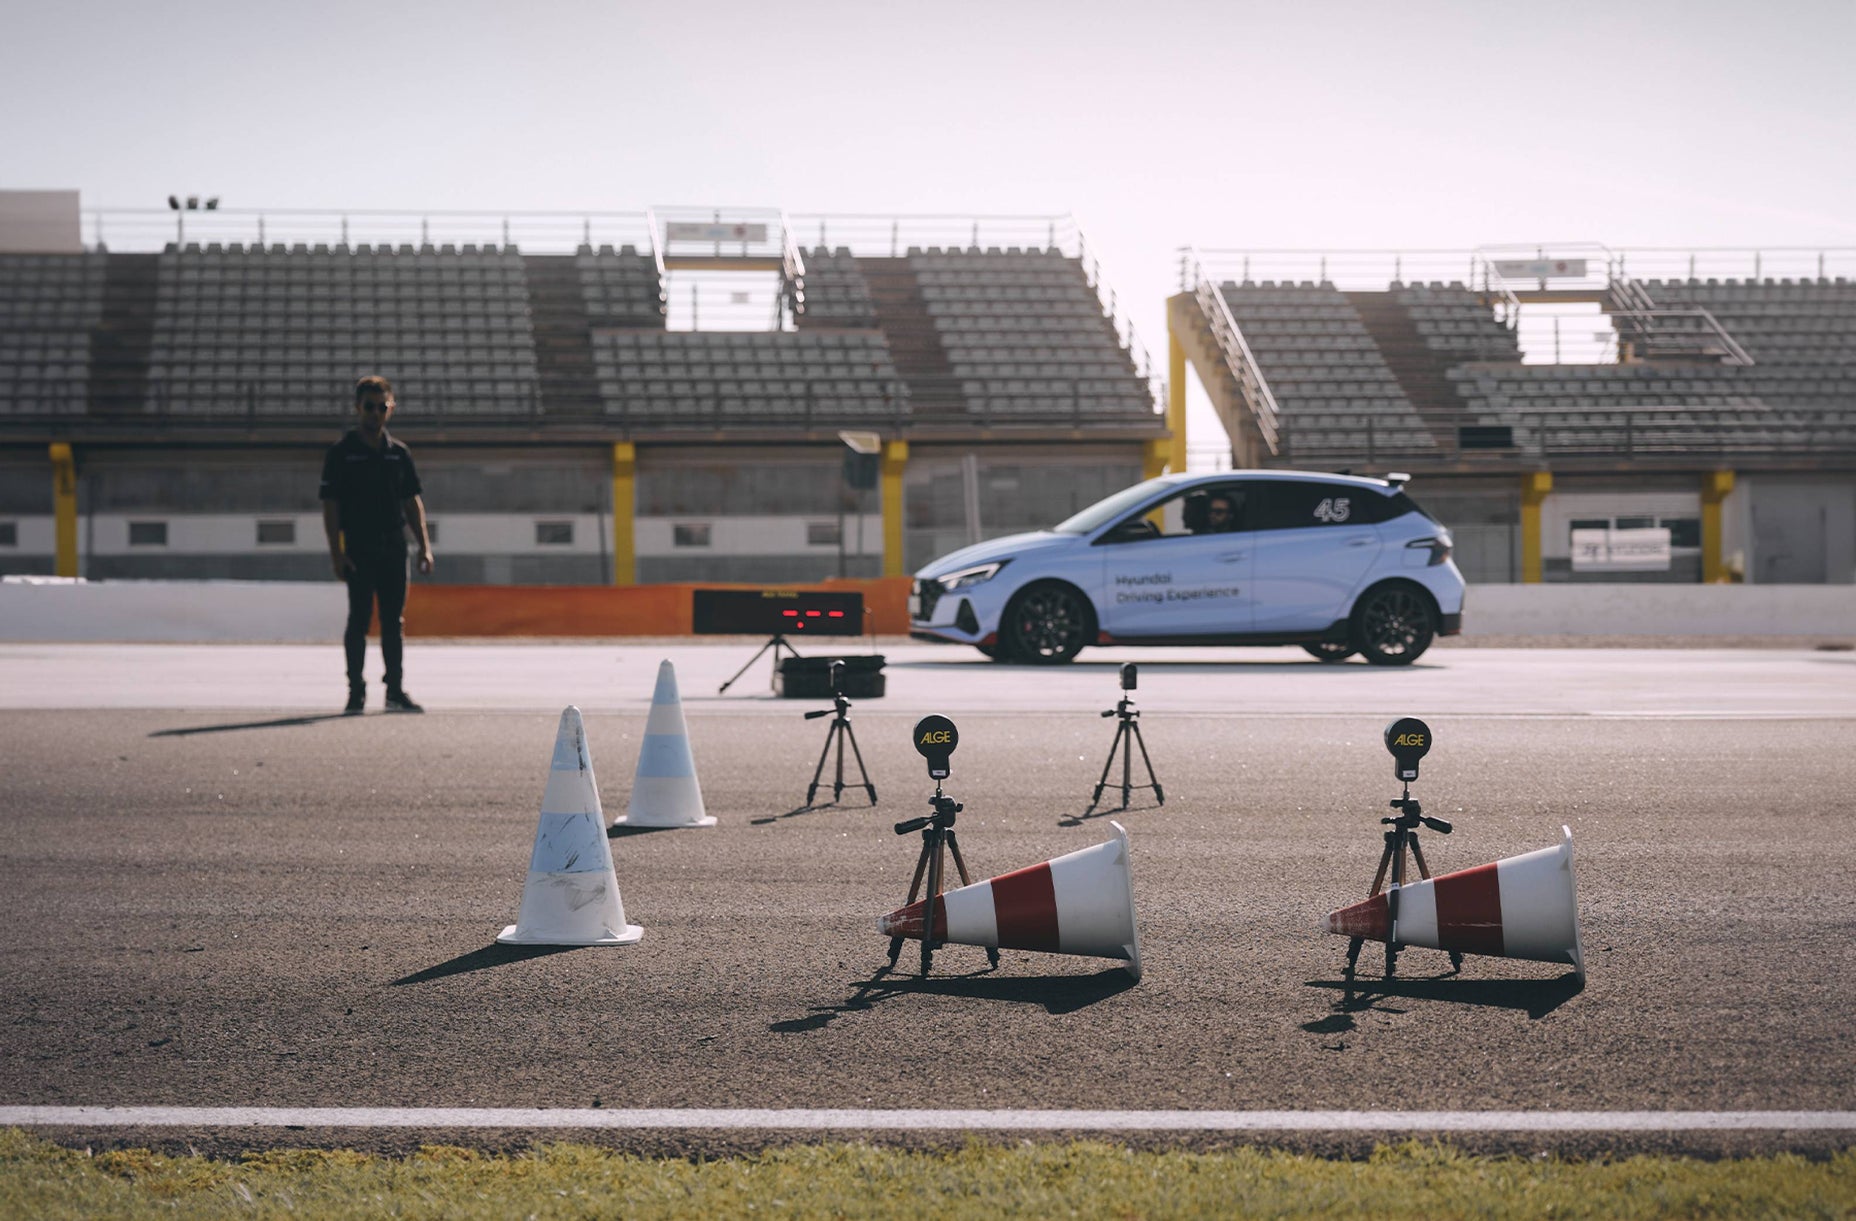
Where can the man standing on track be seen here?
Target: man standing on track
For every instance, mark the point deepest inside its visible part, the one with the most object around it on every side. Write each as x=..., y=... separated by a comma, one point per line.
x=370, y=493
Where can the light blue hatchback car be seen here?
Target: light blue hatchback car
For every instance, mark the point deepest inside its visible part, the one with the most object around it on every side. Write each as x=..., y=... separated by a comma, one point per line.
x=1334, y=563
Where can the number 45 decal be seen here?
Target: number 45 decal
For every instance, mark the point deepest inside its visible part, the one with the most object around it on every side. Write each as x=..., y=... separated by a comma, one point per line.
x=1333, y=509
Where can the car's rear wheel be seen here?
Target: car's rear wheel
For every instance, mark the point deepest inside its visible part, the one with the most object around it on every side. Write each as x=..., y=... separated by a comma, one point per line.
x=1393, y=624
x=1046, y=624
x=1330, y=650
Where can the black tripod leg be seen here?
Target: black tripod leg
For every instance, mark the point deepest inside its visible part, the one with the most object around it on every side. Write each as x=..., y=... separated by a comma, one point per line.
x=837, y=786
x=861, y=769
x=1353, y=954
x=928, y=902
x=1102, y=780
x=1159, y=794
x=721, y=690
x=812, y=789
x=1127, y=761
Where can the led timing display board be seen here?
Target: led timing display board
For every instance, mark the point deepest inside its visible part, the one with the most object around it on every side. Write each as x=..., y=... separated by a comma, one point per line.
x=776, y=612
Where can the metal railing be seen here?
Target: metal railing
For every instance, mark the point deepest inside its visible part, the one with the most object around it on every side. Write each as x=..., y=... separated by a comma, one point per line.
x=1541, y=437
x=457, y=403
x=1253, y=387
x=130, y=230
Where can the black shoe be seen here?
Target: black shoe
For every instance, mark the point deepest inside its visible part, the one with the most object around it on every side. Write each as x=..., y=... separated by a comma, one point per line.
x=357, y=701
x=399, y=701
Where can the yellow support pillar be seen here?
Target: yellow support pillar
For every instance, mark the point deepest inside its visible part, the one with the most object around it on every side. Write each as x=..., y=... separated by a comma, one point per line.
x=64, y=510
x=1534, y=488
x=1154, y=457
x=1714, y=490
x=1175, y=401
x=624, y=511
x=895, y=459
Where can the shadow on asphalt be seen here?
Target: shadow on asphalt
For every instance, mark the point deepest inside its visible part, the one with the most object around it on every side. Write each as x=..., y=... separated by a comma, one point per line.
x=1535, y=997
x=625, y=830
x=816, y=808
x=1058, y=995
x=1077, y=820
x=493, y=955
x=279, y=723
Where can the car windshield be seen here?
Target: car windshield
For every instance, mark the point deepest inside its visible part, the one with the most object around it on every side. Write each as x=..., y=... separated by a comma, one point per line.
x=1104, y=511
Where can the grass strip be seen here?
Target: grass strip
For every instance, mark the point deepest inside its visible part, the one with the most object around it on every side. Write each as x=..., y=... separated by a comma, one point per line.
x=1083, y=1179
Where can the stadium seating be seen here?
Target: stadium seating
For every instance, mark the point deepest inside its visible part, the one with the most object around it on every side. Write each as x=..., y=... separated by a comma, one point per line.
x=1025, y=336
x=671, y=377
x=48, y=305
x=837, y=295
x=285, y=331
x=621, y=288
x=1348, y=387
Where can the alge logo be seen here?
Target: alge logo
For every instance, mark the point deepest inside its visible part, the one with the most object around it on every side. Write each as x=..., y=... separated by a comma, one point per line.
x=1409, y=739
x=1334, y=509
x=936, y=736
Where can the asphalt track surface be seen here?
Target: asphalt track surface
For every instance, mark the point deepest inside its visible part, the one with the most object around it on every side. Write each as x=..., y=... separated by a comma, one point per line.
x=217, y=895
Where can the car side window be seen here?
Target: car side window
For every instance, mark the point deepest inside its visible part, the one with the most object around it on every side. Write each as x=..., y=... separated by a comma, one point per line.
x=1295, y=505
x=1218, y=509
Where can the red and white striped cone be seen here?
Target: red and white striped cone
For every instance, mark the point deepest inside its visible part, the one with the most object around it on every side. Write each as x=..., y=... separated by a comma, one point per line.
x=1081, y=903
x=1522, y=907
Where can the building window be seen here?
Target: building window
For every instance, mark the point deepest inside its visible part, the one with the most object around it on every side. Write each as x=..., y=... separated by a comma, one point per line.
x=554, y=533
x=822, y=533
x=276, y=533
x=690, y=534
x=1587, y=523
x=148, y=534
x=1683, y=531
x=9, y=534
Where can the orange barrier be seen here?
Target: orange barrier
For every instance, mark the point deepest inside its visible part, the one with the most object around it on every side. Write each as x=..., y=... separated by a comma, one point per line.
x=602, y=610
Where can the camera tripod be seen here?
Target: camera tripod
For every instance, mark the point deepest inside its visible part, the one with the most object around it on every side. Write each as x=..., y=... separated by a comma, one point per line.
x=1127, y=737
x=777, y=643
x=937, y=837
x=1402, y=835
x=840, y=732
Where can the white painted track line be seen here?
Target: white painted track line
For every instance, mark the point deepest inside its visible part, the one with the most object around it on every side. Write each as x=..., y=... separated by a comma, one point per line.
x=928, y=1120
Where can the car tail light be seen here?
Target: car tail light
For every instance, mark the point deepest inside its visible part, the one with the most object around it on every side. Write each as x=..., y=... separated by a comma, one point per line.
x=1437, y=545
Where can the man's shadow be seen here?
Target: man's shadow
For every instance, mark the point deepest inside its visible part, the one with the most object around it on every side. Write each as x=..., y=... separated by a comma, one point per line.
x=1057, y=994
x=278, y=723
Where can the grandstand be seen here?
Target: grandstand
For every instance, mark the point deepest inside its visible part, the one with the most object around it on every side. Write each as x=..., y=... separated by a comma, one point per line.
x=1545, y=390
x=619, y=397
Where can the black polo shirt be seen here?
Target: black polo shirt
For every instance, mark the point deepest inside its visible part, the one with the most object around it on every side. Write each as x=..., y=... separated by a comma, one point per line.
x=370, y=485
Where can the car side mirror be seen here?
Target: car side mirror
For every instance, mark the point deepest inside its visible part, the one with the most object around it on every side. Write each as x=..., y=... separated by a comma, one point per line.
x=1130, y=531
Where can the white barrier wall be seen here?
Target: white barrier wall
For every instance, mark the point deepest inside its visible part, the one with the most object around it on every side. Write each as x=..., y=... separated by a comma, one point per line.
x=290, y=612
x=42, y=609
x=1660, y=610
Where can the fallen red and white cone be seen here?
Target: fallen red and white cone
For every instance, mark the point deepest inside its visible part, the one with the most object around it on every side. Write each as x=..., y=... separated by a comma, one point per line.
x=1080, y=903
x=1522, y=907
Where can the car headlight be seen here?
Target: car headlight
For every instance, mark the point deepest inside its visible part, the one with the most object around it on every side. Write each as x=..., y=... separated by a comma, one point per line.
x=966, y=578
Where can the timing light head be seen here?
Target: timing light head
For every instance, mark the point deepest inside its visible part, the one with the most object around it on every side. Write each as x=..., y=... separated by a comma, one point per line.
x=935, y=739
x=1129, y=676
x=1409, y=740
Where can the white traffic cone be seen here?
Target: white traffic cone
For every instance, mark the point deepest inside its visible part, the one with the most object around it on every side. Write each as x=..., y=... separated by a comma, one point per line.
x=1522, y=907
x=572, y=894
x=1082, y=903
x=665, y=792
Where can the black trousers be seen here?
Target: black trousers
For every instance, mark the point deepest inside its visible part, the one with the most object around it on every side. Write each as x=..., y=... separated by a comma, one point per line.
x=377, y=576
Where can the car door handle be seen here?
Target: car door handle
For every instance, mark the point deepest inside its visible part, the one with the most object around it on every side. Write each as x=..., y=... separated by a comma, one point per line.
x=1231, y=557
x=1361, y=542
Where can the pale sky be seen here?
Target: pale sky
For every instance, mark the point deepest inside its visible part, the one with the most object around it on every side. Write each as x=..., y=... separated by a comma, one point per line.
x=1158, y=124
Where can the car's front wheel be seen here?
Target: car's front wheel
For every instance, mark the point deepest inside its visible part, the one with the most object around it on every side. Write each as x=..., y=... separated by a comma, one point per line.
x=1046, y=624
x=1329, y=650
x=1393, y=624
